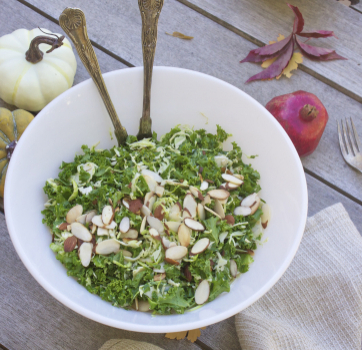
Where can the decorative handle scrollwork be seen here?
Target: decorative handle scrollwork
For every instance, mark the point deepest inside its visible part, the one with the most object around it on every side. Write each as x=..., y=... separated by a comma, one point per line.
x=150, y=12
x=73, y=22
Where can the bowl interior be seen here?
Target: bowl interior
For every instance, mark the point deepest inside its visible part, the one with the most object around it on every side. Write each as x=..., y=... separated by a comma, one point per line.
x=179, y=96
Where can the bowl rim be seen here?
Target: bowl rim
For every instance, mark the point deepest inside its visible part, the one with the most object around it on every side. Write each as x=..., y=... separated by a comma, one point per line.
x=155, y=328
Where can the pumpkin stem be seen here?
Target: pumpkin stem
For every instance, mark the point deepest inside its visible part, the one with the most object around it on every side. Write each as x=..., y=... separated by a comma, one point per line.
x=34, y=54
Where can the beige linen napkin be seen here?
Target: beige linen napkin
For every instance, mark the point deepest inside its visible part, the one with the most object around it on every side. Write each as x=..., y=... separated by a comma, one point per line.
x=317, y=304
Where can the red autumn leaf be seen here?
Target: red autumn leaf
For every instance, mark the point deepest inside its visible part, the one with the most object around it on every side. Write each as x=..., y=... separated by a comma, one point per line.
x=283, y=50
x=270, y=51
x=278, y=65
x=318, y=34
x=298, y=20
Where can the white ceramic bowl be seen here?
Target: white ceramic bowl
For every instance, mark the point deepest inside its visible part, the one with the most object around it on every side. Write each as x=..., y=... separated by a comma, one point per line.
x=79, y=117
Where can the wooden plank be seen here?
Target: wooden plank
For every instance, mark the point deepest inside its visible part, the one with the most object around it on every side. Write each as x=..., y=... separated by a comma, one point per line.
x=46, y=324
x=217, y=51
x=261, y=22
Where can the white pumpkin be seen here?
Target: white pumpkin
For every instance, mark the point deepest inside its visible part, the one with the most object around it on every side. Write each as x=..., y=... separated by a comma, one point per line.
x=32, y=86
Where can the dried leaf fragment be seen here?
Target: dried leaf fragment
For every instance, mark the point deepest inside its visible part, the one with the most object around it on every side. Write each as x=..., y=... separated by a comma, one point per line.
x=176, y=335
x=180, y=35
x=193, y=334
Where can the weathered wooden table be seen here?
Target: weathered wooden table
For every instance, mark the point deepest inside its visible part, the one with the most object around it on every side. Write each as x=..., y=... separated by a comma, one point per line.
x=224, y=32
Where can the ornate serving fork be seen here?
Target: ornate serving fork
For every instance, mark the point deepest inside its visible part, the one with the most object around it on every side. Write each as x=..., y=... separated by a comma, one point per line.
x=150, y=12
x=72, y=20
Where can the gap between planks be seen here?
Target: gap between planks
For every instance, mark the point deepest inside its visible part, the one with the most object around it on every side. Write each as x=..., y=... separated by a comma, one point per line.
x=2, y=347
x=258, y=42
x=99, y=47
x=249, y=38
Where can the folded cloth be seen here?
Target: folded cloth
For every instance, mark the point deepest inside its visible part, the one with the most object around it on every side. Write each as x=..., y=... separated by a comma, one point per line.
x=127, y=344
x=317, y=304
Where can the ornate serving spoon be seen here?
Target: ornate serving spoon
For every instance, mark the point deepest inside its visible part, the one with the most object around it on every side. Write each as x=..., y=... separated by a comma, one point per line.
x=150, y=12
x=72, y=20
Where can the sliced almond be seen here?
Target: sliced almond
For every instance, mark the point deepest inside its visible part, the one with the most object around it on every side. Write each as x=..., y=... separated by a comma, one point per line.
x=145, y=211
x=229, y=186
x=212, y=212
x=107, y=247
x=124, y=225
x=154, y=233
x=233, y=268
x=151, y=202
x=81, y=219
x=204, y=186
x=154, y=175
x=196, y=193
x=186, y=214
x=255, y=206
x=176, y=253
x=63, y=226
x=159, y=191
x=232, y=179
x=230, y=219
x=219, y=194
x=165, y=243
x=190, y=204
x=126, y=253
x=159, y=277
x=125, y=203
x=132, y=234
x=155, y=223
x=184, y=235
x=94, y=229
x=171, y=261
x=90, y=216
x=148, y=197
x=70, y=243
x=102, y=231
x=201, y=211
x=143, y=306
x=207, y=200
x=250, y=252
x=200, y=246
x=81, y=232
x=218, y=208
x=242, y=211
x=249, y=200
x=172, y=225
x=97, y=220
x=135, y=205
x=107, y=214
x=143, y=224
x=74, y=213
x=175, y=212
x=111, y=226
x=159, y=212
x=85, y=253
x=239, y=176
x=194, y=225
x=172, y=244
x=202, y=292
x=151, y=182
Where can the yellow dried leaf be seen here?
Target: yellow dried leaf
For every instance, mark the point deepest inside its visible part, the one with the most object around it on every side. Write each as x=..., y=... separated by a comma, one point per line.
x=176, y=335
x=279, y=38
x=292, y=65
x=180, y=35
x=193, y=335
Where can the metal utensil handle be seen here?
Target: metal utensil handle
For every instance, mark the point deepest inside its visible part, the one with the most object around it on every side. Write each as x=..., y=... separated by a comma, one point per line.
x=73, y=22
x=150, y=12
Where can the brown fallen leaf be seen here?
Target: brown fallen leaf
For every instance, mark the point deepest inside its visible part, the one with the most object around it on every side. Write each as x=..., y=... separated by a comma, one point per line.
x=180, y=35
x=192, y=335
